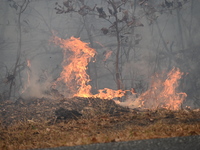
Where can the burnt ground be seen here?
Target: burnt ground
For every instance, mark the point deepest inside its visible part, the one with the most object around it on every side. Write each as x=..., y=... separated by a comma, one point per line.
x=54, y=111
x=34, y=123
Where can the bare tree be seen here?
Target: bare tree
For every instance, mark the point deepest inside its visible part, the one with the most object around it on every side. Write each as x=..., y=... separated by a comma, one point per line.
x=11, y=77
x=118, y=27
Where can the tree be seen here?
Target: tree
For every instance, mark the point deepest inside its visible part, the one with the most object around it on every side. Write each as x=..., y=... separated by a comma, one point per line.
x=17, y=66
x=119, y=27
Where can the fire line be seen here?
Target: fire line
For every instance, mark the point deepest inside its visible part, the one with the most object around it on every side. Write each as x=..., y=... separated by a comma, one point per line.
x=74, y=80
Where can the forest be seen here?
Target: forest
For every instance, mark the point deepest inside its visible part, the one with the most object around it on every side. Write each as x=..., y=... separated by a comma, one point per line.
x=133, y=40
x=76, y=72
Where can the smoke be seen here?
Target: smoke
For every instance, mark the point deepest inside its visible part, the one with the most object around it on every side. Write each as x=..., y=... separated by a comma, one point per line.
x=162, y=93
x=131, y=101
x=145, y=53
x=40, y=75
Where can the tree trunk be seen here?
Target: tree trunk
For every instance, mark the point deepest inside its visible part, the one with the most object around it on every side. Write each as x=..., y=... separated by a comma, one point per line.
x=117, y=71
x=22, y=8
x=95, y=87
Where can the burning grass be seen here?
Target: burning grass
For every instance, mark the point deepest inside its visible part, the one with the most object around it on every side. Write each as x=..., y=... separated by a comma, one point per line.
x=101, y=121
x=42, y=123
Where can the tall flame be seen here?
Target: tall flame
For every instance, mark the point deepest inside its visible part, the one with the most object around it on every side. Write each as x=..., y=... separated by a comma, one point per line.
x=163, y=94
x=77, y=55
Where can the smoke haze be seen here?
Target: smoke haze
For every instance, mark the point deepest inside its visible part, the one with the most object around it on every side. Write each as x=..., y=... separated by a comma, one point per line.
x=160, y=39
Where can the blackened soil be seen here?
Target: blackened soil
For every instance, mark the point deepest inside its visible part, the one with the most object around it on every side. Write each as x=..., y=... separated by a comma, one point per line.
x=43, y=109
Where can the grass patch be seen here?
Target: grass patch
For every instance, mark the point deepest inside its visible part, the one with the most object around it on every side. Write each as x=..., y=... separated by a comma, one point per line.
x=101, y=128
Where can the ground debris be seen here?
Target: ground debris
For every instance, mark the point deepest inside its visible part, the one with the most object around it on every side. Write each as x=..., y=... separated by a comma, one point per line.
x=42, y=123
x=40, y=109
x=64, y=114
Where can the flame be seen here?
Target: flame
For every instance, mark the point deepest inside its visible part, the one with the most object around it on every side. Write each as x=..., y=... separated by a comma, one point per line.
x=77, y=55
x=107, y=55
x=74, y=79
x=109, y=93
x=164, y=93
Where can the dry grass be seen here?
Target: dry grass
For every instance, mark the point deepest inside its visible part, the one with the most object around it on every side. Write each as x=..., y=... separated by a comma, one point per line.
x=100, y=129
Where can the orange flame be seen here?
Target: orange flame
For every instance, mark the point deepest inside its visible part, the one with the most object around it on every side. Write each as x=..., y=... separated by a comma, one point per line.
x=77, y=55
x=107, y=55
x=164, y=94
x=109, y=93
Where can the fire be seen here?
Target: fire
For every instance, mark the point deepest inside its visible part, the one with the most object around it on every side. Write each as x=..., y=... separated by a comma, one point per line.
x=163, y=94
x=77, y=55
x=74, y=79
x=109, y=93
x=107, y=55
